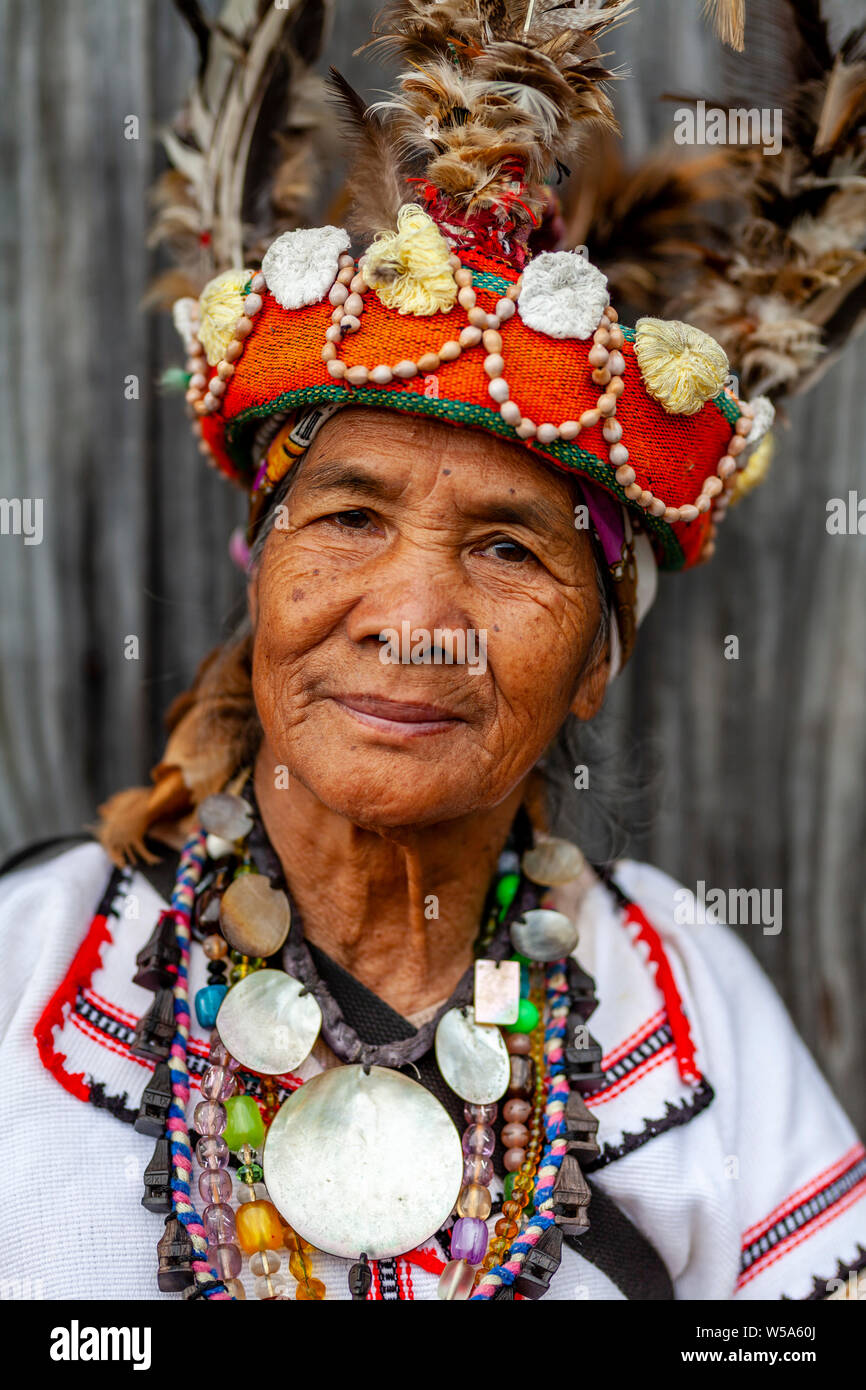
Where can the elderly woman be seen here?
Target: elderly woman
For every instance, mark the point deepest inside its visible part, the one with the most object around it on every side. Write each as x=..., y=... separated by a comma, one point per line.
x=369, y=1029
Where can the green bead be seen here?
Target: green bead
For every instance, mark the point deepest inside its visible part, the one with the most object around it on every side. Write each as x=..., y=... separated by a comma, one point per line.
x=524, y=960
x=527, y=1018
x=244, y=1124
x=251, y=1173
x=508, y=1187
x=506, y=889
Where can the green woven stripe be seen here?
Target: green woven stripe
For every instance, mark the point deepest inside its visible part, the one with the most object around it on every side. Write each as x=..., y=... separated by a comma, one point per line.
x=460, y=412
x=484, y=280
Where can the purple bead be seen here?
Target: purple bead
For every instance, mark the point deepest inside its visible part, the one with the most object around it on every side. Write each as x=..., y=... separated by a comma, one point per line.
x=212, y=1151
x=478, y=1139
x=480, y=1114
x=209, y=1117
x=478, y=1169
x=215, y=1185
x=469, y=1240
x=218, y=1084
x=219, y=1224
x=220, y=1056
x=225, y=1259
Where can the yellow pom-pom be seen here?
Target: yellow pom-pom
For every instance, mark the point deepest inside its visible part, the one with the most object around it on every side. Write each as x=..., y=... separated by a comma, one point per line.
x=755, y=470
x=409, y=269
x=221, y=304
x=682, y=367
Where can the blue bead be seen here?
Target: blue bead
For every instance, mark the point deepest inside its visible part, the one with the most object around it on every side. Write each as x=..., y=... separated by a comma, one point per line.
x=207, y=1004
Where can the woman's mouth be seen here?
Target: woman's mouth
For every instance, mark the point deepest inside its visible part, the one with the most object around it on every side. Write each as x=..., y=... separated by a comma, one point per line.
x=405, y=718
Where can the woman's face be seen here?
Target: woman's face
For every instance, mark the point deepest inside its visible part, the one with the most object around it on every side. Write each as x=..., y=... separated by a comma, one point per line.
x=448, y=543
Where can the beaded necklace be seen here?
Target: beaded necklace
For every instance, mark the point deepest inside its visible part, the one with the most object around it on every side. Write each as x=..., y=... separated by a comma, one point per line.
x=547, y=1131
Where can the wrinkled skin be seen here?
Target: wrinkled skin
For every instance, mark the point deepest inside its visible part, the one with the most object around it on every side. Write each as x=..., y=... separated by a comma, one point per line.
x=393, y=520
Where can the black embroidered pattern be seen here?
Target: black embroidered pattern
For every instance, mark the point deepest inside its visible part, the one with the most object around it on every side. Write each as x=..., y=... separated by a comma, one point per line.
x=805, y=1212
x=388, y=1283
x=115, y=1105
x=675, y=1115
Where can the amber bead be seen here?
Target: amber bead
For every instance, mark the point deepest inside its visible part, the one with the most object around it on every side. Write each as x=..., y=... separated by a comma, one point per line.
x=311, y=1291
x=511, y=1209
x=474, y=1200
x=506, y=1228
x=292, y=1241
x=259, y=1227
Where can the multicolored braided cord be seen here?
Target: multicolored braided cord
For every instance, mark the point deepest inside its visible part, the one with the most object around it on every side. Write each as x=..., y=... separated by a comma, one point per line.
x=554, y=1130
x=188, y=875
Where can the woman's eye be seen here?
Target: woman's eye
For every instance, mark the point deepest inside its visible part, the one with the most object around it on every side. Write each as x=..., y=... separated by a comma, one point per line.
x=354, y=520
x=510, y=551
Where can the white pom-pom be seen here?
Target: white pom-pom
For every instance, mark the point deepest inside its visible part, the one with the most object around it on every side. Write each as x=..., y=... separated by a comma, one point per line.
x=184, y=313
x=765, y=414
x=301, y=266
x=563, y=295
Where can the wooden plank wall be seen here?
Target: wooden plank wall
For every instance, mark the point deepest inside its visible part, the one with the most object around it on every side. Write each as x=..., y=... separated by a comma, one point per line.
x=759, y=763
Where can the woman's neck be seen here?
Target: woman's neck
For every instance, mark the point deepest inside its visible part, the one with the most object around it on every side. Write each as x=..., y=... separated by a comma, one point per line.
x=399, y=909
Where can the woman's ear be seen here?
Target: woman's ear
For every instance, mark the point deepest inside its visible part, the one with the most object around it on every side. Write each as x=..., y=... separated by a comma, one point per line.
x=593, y=684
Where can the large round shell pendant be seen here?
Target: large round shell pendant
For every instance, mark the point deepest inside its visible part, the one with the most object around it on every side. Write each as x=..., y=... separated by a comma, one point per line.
x=363, y=1162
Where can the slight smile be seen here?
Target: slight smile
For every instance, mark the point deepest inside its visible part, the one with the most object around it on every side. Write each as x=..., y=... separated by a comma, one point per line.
x=397, y=716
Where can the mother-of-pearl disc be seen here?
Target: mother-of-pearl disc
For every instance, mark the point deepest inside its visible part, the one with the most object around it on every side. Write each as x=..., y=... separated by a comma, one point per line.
x=472, y=1057
x=542, y=934
x=266, y=1022
x=363, y=1162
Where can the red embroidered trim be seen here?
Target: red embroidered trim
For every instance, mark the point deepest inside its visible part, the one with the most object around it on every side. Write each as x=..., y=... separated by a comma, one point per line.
x=659, y=964
x=425, y=1259
x=802, y=1195
x=797, y=1237
x=87, y=959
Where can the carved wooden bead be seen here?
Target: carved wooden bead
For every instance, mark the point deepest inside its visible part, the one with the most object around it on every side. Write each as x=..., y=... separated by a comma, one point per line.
x=618, y=455
x=382, y=374
x=429, y=362
x=494, y=364
x=357, y=376
x=450, y=351
x=405, y=369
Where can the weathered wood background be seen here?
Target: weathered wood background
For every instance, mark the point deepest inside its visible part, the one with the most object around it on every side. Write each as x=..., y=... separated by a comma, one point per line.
x=762, y=759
